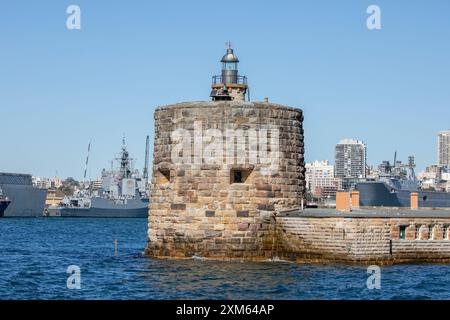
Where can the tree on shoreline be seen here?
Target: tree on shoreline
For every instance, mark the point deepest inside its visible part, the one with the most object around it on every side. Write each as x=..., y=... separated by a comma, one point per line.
x=68, y=186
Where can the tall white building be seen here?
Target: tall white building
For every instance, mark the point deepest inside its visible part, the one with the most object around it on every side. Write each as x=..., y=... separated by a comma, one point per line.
x=56, y=182
x=350, y=159
x=443, y=148
x=320, y=178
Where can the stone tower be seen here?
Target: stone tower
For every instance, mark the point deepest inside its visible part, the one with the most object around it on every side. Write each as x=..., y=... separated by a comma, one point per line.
x=221, y=169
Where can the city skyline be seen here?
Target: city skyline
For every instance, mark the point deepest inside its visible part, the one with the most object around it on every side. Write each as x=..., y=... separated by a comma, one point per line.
x=62, y=88
x=331, y=162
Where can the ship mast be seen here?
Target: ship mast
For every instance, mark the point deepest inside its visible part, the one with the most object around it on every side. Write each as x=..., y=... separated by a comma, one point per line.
x=411, y=166
x=125, y=161
x=145, y=174
x=87, y=160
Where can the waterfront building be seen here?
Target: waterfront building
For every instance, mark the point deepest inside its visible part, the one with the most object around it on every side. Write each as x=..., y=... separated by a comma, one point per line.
x=41, y=183
x=350, y=159
x=443, y=148
x=435, y=177
x=46, y=183
x=56, y=182
x=445, y=175
x=373, y=172
x=320, y=180
x=433, y=172
x=97, y=184
x=54, y=197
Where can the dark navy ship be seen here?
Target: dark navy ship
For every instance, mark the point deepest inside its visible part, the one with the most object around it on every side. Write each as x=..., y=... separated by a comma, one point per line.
x=123, y=194
x=26, y=200
x=4, y=203
x=394, y=186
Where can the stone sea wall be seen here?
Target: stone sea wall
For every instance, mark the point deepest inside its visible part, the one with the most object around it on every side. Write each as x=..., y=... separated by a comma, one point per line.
x=362, y=240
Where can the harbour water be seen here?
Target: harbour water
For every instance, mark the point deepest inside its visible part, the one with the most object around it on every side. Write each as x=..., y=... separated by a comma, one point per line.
x=35, y=254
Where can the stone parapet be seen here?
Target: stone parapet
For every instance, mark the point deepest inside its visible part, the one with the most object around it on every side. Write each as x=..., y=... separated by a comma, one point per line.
x=370, y=239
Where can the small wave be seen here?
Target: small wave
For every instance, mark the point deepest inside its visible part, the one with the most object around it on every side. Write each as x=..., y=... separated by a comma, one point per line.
x=194, y=257
x=277, y=259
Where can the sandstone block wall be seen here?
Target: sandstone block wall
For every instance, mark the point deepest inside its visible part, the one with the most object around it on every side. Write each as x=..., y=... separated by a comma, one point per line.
x=366, y=240
x=196, y=207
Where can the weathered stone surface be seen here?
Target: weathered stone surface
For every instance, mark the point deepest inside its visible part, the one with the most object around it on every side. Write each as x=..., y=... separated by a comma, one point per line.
x=178, y=206
x=243, y=226
x=266, y=207
x=197, y=205
x=242, y=213
x=362, y=240
x=210, y=213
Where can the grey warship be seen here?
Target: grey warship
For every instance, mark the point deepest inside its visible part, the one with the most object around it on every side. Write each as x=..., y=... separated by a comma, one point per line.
x=123, y=194
x=26, y=200
x=394, y=187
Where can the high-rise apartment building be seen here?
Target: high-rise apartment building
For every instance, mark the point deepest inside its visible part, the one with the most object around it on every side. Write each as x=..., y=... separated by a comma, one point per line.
x=350, y=159
x=443, y=148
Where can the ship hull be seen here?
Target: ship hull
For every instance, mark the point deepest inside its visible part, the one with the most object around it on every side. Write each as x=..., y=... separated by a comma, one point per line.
x=102, y=213
x=102, y=208
x=379, y=194
x=26, y=201
x=3, y=205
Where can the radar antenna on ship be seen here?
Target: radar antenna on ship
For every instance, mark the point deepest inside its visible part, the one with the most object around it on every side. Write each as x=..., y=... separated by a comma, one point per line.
x=411, y=166
x=125, y=161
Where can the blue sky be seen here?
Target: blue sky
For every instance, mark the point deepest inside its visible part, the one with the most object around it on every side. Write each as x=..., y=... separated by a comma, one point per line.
x=60, y=88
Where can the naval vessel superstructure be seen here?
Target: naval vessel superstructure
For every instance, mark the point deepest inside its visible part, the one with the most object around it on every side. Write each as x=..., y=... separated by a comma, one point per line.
x=394, y=186
x=123, y=194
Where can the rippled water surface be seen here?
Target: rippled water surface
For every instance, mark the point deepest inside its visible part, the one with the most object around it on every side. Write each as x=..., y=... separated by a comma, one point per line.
x=35, y=254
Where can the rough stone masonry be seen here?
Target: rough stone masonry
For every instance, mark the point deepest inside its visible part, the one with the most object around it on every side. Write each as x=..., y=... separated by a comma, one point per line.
x=228, y=178
x=220, y=171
